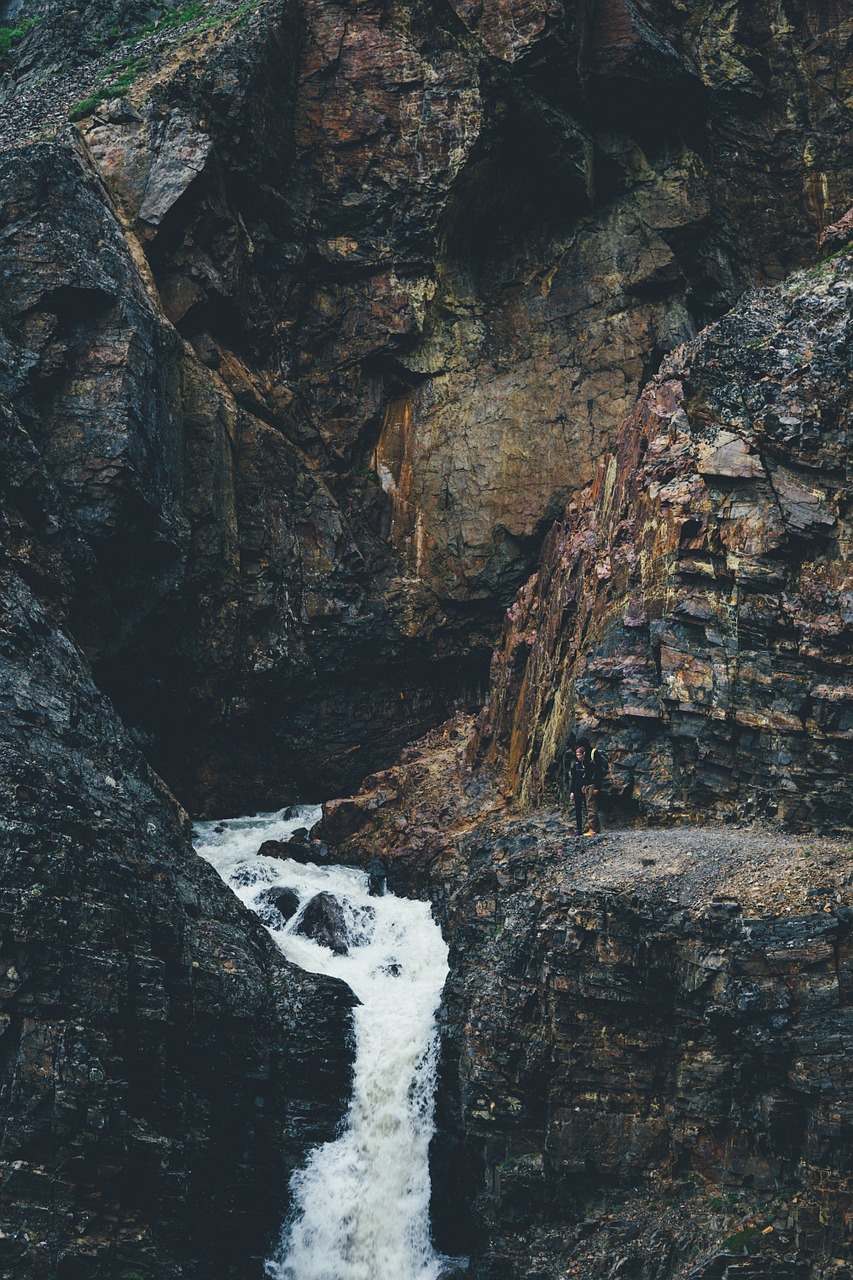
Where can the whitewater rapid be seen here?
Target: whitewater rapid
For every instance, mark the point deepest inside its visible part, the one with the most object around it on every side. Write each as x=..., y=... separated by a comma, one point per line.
x=361, y=1203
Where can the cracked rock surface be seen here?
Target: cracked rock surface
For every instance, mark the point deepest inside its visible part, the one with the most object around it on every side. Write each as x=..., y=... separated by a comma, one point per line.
x=392, y=277
x=645, y=1033
x=694, y=608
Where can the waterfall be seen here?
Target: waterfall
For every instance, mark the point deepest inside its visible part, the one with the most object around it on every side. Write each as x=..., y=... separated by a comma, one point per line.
x=361, y=1203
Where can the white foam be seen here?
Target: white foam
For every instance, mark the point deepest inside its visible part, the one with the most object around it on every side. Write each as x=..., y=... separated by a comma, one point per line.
x=361, y=1203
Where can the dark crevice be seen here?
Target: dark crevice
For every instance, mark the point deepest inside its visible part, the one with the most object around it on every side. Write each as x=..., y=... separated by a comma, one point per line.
x=220, y=317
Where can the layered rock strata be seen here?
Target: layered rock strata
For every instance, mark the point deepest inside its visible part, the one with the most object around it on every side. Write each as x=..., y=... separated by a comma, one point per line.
x=694, y=608
x=390, y=279
x=653, y=1085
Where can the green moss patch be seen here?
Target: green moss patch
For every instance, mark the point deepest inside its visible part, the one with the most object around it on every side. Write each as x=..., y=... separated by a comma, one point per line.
x=8, y=35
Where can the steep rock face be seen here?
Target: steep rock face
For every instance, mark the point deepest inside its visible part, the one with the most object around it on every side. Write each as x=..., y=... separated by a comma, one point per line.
x=95, y=376
x=694, y=607
x=422, y=259
x=238, y=642
x=644, y=1068
x=645, y=1084
x=589, y=234
x=163, y=1068
x=182, y=538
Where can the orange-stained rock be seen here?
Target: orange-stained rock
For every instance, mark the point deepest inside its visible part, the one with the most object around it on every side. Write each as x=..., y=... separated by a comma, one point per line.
x=391, y=281
x=693, y=609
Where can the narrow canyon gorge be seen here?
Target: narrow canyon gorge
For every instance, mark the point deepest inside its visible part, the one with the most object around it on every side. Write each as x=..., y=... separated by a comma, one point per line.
x=392, y=392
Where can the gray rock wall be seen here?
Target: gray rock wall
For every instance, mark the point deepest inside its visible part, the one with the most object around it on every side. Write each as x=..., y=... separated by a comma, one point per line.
x=163, y=1069
x=391, y=280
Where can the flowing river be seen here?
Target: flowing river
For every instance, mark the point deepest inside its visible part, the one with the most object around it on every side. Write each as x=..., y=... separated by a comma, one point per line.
x=361, y=1203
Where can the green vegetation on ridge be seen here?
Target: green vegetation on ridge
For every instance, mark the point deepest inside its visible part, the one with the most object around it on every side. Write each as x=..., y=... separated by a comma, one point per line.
x=8, y=35
x=128, y=70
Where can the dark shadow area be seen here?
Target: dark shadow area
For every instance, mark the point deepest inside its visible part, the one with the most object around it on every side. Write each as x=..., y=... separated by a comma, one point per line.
x=302, y=742
x=531, y=169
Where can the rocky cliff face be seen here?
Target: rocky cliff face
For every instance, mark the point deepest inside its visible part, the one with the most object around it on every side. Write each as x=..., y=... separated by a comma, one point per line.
x=694, y=607
x=310, y=323
x=654, y=1086
x=378, y=287
x=163, y=1069
x=644, y=1071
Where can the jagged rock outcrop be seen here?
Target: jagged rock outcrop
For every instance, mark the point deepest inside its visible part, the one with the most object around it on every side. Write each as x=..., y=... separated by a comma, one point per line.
x=163, y=1068
x=393, y=277
x=695, y=607
x=648, y=1084
x=644, y=1068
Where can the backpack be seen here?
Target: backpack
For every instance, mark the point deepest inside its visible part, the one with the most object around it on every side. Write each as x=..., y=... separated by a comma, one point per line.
x=600, y=763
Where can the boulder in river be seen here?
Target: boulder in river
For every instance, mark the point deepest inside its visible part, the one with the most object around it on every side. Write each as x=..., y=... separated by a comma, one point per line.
x=324, y=921
x=298, y=850
x=285, y=901
x=377, y=878
x=327, y=921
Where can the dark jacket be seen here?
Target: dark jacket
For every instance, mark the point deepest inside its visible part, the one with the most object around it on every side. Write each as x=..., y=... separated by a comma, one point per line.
x=597, y=767
x=588, y=773
x=580, y=776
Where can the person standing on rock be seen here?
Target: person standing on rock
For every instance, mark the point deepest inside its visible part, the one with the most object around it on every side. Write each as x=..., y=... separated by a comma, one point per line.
x=577, y=785
x=596, y=770
x=586, y=777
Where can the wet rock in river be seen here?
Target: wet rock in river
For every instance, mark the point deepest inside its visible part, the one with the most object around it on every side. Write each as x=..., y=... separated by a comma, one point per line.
x=284, y=901
x=377, y=878
x=298, y=850
x=323, y=920
x=332, y=924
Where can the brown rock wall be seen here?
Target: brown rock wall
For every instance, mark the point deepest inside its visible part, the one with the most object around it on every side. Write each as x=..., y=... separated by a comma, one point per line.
x=644, y=1061
x=615, y=1055
x=490, y=224
x=693, y=608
